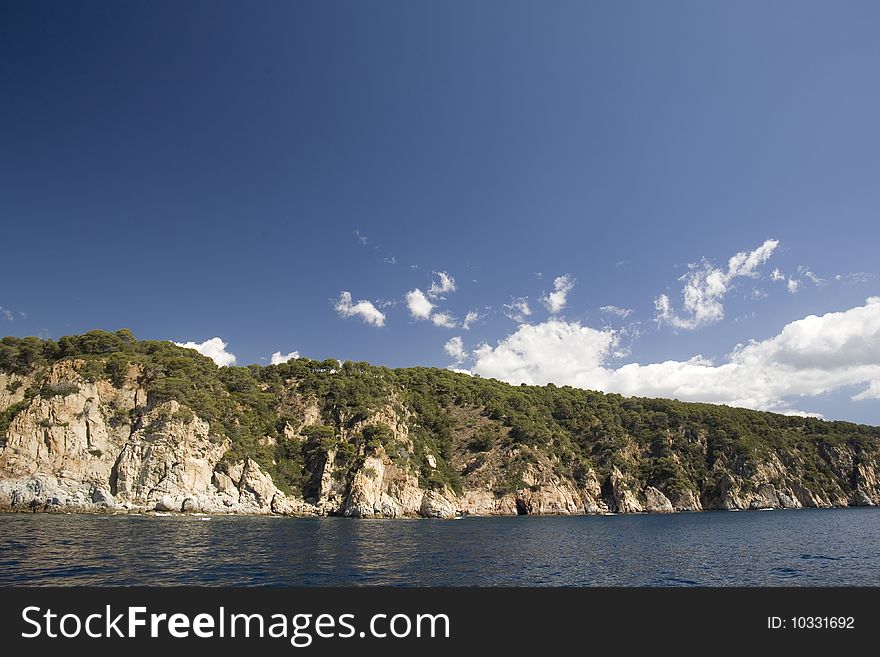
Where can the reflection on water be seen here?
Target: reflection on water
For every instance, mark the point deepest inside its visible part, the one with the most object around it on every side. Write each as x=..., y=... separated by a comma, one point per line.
x=784, y=548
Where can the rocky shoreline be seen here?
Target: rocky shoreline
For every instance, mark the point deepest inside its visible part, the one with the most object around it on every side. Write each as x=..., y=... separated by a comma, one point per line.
x=96, y=446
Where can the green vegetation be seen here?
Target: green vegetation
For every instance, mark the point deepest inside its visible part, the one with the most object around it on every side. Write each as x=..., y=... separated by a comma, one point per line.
x=664, y=443
x=62, y=389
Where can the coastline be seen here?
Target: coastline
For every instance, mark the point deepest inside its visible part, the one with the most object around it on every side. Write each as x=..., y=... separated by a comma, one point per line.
x=152, y=512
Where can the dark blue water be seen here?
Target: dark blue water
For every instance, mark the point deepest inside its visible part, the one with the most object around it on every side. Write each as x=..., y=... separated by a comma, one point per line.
x=779, y=548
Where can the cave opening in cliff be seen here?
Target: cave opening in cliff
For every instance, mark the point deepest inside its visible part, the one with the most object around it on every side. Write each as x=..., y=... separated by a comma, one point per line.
x=521, y=508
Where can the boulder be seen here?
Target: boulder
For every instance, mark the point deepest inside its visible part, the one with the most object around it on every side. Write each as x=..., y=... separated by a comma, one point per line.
x=657, y=502
x=624, y=500
x=435, y=505
x=167, y=503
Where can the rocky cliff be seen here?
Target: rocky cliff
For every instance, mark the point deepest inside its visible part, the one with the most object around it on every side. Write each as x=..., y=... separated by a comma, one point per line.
x=103, y=422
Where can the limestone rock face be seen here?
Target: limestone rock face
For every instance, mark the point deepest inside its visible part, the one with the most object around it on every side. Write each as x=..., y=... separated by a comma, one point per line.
x=224, y=484
x=765, y=498
x=65, y=431
x=60, y=448
x=44, y=492
x=255, y=486
x=623, y=499
x=867, y=492
x=657, y=502
x=73, y=447
x=592, y=495
x=12, y=387
x=435, y=505
x=486, y=503
x=549, y=498
x=330, y=490
x=166, y=458
x=685, y=501
x=81, y=443
x=381, y=489
x=544, y=493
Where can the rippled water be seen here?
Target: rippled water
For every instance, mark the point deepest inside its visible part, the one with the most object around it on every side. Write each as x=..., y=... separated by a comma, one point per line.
x=807, y=547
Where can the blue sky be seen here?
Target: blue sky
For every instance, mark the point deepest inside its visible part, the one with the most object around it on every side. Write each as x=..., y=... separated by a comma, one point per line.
x=215, y=169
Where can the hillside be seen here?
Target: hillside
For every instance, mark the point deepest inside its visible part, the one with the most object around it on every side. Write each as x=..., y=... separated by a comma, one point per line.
x=102, y=421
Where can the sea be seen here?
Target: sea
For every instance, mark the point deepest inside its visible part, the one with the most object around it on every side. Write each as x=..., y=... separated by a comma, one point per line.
x=809, y=547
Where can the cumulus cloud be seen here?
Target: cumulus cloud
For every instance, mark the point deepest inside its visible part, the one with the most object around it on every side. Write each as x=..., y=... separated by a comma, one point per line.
x=553, y=351
x=469, y=320
x=443, y=319
x=442, y=286
x=518, y=309
x=556, y=300
x=418, y=304
x=793, y=285
x=871, y=392
x=705, y=287
x=278, y=358
x=455, y=348
x=6, y=314
x=363, y=309
x=810, y=356
x=623, y=313
x=215, y=349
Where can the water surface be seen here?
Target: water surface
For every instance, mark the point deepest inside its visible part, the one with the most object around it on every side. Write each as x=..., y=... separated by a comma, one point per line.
x=836, y=547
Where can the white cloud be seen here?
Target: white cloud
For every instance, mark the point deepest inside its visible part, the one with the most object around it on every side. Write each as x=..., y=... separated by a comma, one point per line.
x=857, y=277
x=705, y=287
x=363, y=309
x=871, y=392
x=813, y=278
x=747, y=316
x=455, y=348
x=361, y=238
x=442, y=286
x=7, y=315
x=810, y=356
x=794, y=284
x=215, y=349
x=518, y=309
x=443, y=319
x=278, y=358
x=418, y=304
x=553, y=351
x=556, y=300
x=623, y=313
x=469, y=320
